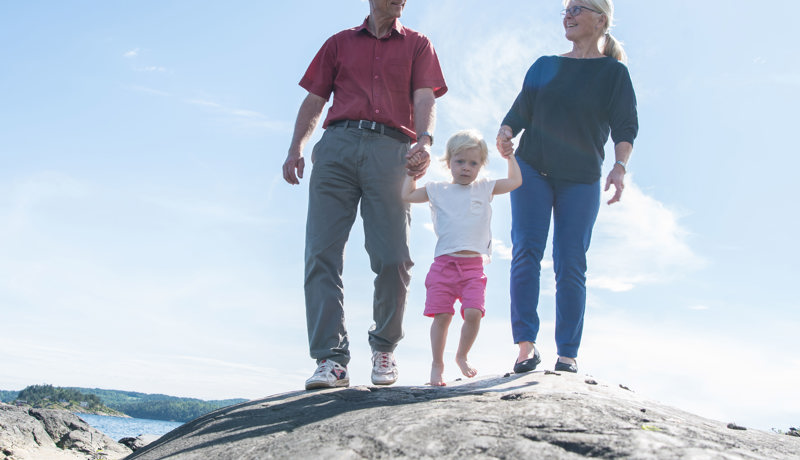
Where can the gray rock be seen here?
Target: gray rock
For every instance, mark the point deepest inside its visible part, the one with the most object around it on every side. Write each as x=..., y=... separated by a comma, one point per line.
x=138, y=442
x=534, y=415
x=18, y=429
x=27, y=433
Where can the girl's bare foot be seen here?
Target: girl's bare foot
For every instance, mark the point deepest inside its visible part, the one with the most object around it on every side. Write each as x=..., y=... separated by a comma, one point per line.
x=437, y=373
x=466, y=369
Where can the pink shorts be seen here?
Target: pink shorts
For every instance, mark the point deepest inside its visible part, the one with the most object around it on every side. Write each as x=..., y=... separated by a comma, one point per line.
x=455, y=278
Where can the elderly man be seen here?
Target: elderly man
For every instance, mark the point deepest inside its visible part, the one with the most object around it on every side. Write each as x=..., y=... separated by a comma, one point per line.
x=384, y=78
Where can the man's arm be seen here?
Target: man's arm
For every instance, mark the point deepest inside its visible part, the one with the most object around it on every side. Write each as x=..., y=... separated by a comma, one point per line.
x=419, y=156
x=307, y=119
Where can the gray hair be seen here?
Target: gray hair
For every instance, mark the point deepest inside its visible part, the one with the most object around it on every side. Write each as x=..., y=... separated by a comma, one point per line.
x=611, y=47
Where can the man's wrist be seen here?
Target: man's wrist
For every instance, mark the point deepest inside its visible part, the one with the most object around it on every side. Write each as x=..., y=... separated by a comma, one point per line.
x=623, y=164
x=423, y=134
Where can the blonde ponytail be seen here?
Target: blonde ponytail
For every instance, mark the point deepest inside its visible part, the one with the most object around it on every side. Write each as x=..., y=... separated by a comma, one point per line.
x=613, y=48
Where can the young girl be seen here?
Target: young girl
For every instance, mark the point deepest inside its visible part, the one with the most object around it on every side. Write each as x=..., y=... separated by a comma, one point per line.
x=461, y=214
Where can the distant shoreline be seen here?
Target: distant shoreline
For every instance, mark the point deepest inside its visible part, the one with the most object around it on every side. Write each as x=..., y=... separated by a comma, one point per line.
x=117, y=403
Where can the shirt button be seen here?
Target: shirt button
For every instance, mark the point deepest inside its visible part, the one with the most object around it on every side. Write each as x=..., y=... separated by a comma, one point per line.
x=377, y=111
x=376, y=77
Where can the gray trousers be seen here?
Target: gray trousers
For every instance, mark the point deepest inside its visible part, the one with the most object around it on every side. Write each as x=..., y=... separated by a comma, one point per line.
x=353, y=166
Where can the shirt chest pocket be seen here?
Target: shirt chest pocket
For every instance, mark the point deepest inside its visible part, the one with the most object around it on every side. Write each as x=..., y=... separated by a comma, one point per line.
x=476, y=207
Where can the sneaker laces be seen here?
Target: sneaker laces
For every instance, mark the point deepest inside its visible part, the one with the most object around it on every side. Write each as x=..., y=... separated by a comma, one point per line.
x=383, y=361
x=323, y=368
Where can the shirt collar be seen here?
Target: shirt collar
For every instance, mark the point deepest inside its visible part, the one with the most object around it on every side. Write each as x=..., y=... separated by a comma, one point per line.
x=397, y=28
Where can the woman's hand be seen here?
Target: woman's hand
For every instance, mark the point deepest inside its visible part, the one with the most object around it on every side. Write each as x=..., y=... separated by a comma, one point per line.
x=504, y=144
x=622, y=153
x=615, y=178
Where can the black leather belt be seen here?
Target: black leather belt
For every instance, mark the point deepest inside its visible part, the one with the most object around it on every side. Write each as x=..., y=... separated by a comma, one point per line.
x=373, y=126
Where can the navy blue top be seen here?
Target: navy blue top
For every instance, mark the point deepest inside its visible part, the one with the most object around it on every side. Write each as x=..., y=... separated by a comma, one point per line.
x=567, y=108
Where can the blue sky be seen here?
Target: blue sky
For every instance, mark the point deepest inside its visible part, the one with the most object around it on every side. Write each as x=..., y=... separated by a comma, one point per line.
x=149, y=243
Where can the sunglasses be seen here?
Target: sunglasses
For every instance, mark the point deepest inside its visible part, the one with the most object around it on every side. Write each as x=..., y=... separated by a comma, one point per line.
x=576, y=10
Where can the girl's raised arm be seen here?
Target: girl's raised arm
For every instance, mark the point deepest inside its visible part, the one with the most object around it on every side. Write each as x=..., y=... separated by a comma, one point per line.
x=411, y=193
x=514, y=178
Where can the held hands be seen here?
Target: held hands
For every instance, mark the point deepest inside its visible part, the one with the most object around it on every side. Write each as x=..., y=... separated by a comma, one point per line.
x=504, y=144
x=294, y=163
x=418, y=159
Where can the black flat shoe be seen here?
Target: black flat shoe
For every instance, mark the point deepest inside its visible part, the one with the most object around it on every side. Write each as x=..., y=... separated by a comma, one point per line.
x=566, y=367
x=529, y=364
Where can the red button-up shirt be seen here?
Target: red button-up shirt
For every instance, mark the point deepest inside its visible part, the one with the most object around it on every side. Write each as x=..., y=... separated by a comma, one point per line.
x=374, y=79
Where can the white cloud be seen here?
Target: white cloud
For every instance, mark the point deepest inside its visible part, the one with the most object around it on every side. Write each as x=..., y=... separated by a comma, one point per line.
x=613, y=284
x=500, y=250
x=132, y=53
x=638, y=240
x=484, y=68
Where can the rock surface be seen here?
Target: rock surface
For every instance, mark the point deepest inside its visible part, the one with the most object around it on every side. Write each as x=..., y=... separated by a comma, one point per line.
x=138, y=442
x=47, y=434
x=534, y=415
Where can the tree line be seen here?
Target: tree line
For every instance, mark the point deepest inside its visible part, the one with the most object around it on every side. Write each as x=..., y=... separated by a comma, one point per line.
x=133, y=404
x=42, y=395
x=158, y=406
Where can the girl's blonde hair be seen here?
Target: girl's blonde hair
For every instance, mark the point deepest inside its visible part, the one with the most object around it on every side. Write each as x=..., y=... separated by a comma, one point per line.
x=466, y=139
x=611, y=47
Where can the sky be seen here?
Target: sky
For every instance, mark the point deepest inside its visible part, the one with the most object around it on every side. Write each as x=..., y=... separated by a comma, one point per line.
x=149, y=243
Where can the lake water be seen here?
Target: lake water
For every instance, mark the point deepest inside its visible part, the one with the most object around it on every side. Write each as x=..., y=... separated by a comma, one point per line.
x=122, y=427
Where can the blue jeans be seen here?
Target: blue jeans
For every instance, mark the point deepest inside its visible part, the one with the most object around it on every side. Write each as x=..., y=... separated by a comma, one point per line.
x=574, y=208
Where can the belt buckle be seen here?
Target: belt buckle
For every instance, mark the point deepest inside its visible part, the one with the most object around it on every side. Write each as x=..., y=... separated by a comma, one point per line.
x=371, y=128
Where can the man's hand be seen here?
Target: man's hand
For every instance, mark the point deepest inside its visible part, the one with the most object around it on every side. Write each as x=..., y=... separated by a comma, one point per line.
x=307, y=118
x=294, y=163
x=418, y=159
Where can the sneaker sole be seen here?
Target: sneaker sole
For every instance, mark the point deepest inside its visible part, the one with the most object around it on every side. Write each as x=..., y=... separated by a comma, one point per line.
x=383, y=382
x=337, y=384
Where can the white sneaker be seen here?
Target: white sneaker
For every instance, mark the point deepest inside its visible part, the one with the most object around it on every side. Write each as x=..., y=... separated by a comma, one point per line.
x=384, y=368
x=329, y=374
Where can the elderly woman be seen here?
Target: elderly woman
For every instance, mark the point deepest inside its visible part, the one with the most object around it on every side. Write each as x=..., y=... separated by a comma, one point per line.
x=568, y=106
